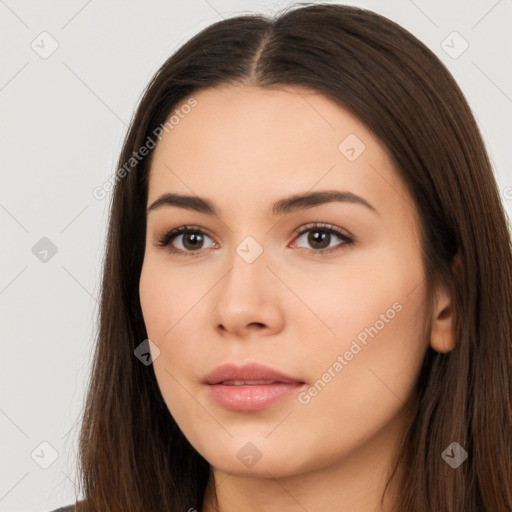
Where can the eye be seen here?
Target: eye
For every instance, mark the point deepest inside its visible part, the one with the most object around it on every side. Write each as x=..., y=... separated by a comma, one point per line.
x=320, y=237
x=192, y=239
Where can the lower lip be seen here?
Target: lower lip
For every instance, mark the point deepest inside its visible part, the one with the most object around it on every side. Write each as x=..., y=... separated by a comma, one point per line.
x=251, y=398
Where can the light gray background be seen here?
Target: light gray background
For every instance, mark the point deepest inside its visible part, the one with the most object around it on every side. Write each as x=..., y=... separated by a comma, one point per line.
x=63, y=120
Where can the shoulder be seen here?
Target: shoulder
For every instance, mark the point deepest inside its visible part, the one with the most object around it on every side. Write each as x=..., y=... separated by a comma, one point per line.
x=71, y=508
x=68, y=508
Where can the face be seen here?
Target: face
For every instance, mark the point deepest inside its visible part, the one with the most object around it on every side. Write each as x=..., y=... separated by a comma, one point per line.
x=329, y=290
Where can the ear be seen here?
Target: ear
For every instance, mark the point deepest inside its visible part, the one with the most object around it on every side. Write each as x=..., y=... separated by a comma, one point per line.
x=442, y=337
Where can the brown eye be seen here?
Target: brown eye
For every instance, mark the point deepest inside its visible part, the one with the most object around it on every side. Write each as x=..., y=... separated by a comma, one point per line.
x=317, y=239
x=320, y=236
x=190, y=239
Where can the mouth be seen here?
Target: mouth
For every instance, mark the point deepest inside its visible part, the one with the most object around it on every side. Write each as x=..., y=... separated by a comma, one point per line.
x=251, y=387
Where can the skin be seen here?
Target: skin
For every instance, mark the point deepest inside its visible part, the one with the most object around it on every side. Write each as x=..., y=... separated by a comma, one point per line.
x=293, y=309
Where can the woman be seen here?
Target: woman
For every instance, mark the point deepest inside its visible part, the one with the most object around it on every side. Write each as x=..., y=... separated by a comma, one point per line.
x=307, y=291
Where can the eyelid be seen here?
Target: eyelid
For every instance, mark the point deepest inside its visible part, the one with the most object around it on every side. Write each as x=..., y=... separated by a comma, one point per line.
x=168, y=235
x=323, y=225
x=343, y=234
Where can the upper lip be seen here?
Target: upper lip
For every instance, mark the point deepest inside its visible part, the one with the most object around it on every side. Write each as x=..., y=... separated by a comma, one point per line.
x=246, y=372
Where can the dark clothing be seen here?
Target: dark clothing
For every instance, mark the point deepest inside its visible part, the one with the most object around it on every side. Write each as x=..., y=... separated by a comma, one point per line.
x=68, y=508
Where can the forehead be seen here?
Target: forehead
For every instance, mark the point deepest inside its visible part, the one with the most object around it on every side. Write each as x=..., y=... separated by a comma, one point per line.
x=284, y=118
x=249, y=145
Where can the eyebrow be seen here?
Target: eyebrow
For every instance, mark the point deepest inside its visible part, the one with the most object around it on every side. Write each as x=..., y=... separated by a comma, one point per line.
x=283, y=206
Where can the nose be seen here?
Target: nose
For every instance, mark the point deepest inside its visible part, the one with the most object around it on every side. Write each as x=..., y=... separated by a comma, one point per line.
x=248, y=300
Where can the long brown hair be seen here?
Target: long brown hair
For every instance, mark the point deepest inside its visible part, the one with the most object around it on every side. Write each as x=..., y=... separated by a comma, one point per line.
x=132, y=454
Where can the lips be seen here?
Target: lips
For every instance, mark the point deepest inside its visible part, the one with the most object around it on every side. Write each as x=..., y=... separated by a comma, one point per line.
x=251, y=387
x=248, y=375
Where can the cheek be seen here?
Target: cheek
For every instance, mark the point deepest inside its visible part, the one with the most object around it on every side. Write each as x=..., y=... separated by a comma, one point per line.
x=164, y=298
x=372, y=316
x=343, y=300
x=364, y=380
x=171, y=306
x=378, y=317
x=165, y=302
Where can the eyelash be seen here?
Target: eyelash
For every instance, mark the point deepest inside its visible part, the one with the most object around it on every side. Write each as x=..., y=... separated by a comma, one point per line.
x=165, y=240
